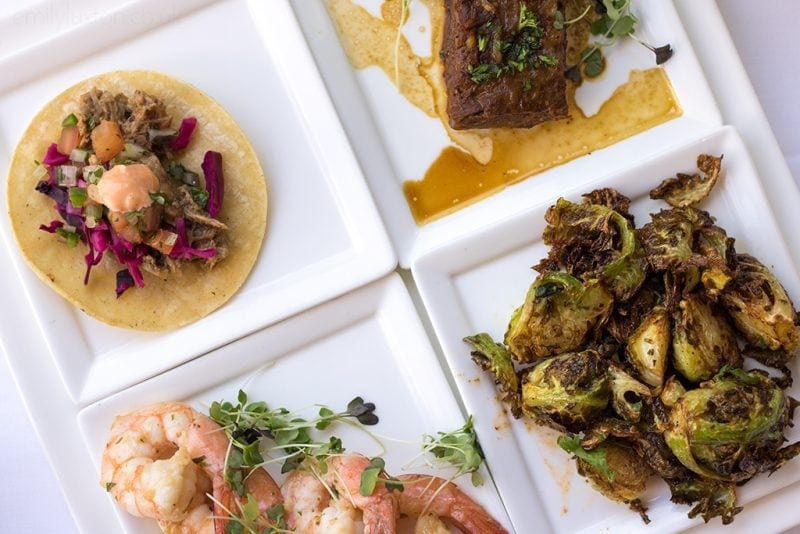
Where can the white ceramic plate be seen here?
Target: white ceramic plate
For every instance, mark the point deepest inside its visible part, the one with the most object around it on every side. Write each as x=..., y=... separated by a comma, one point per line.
x=473, y=284
x=368, y=343
x=324, y=236
x=395, y=142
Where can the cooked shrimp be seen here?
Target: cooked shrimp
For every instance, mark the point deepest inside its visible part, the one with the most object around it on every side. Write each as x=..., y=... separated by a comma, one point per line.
x=199, y=520
x=160, y=458
x=379, y=509
x=310, y=508
x=430, y=524
x=425, y=493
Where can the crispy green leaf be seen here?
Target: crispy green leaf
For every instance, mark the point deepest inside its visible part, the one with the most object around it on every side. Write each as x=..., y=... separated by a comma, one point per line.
x=596, y=457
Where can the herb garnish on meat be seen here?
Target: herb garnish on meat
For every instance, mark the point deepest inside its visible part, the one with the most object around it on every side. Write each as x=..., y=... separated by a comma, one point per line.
x=515, y=52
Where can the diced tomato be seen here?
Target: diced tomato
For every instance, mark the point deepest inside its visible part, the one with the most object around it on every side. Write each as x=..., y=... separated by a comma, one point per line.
x=163, y=241
x=70, y=139
x=107, y=140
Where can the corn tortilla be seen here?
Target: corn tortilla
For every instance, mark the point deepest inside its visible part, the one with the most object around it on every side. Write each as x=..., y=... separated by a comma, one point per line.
x=185, y=296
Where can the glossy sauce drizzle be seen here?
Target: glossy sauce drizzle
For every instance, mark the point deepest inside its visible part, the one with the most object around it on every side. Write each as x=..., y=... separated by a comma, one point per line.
x=483, y=162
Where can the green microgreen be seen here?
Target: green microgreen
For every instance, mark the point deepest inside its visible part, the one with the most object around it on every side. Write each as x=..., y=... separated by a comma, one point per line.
x=253, y=427
x=559, y=23
x=614, y=22
x=458, y=448
x=595, y=457
x=250, y=520
x=371, y=476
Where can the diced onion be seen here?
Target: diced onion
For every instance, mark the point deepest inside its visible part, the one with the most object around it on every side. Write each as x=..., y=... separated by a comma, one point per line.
x=67, y=175
x=79, y=155
x=90, y=173
x=132, y=151
x=39, y=172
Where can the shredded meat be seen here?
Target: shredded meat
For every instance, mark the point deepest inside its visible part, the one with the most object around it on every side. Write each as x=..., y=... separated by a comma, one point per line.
x=202, y=231
x=97, y=106
x=159, y=264
x=193, y=211
x=136, y=116
x=146, y=112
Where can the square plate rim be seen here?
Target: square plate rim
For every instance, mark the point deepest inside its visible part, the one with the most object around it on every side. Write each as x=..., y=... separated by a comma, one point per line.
x=440, y=266
x=370, y=254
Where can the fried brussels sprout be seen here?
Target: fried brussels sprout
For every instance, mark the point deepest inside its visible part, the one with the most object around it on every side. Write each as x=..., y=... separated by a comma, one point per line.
x=672, y=392
x=494, y=357
x=613, y=468
x=559, y=315
x=690, y=189
x=634, y=339
x=731, y=427
x=568, y=391
x=648, y=346
x=594, y=241
x=760, y=307
x=627, y=394
x=686, y=243
x=702, y=341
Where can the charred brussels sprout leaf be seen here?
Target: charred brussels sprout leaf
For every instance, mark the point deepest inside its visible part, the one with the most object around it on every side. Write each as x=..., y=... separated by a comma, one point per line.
x=702, y=341
x=494, y=357
x=594, y=241
x=686, y=243
x=568, y=391
x=648, y=346
x=672, y=391
x=713, y=498
x=731, y=427
x=760, y=307
x=690, y=189
x=627, y=394
x=559, y=314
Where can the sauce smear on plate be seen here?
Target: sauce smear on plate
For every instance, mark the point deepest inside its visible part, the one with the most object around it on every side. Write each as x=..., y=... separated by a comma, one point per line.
x=482, y=162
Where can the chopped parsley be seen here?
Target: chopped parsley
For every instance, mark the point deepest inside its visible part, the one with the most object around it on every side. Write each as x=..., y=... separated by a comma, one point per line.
x=519, y=51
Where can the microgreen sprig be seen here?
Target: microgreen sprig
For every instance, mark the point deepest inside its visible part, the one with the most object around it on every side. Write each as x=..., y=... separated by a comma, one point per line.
x=249, y=426
x=458, y=448
x=250, y=520
x=404, y=7
x=615, y=22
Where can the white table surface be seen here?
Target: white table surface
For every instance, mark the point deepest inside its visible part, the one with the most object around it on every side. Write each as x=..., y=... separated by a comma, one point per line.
x=764, y=32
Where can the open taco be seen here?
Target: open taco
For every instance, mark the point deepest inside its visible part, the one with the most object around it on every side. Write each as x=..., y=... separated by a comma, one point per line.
x=137, y=198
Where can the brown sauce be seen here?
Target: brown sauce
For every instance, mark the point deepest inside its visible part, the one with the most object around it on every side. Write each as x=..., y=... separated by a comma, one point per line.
x=482, y=162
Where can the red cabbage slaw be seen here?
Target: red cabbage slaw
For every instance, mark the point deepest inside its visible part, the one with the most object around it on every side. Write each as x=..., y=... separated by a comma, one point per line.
x=101, y=237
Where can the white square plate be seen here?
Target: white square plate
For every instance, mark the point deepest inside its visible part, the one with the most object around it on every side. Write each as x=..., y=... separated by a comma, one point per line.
x=473, y=285
x=395, y=142
x=324, y=236
x=368, y=343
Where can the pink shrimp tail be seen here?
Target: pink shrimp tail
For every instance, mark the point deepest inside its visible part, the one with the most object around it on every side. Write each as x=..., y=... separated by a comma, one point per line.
x=381, y=519
x=421, y=494
x=261, y=486
x=224, y=502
